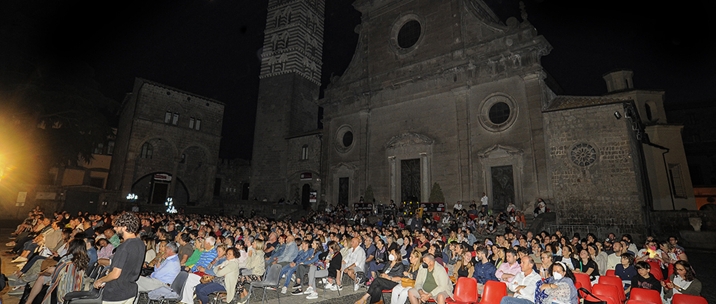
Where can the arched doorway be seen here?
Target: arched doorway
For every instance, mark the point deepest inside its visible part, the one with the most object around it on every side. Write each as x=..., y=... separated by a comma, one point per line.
x=306, y=196
x=154, y=189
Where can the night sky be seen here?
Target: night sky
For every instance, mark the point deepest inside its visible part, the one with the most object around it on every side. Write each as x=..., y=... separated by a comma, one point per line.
x=211, y=47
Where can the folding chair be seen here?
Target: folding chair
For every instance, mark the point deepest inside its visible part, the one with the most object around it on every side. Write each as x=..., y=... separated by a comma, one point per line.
x=687, y=299
x=270, y=280
x=465, y=291
x=648, y=295
x=493, y=292
x=616, y=282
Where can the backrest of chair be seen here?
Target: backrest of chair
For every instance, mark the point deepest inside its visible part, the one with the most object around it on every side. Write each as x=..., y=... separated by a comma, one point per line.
x=687, y=299
x=643, y=294
x=466, y=290
x=617, y=283
x=583, y=278
x=494, y=292
x=273, y=275
x=609, y=290
x=179, y=282
x=611, y=273
x=656, y=270
x=608, y=299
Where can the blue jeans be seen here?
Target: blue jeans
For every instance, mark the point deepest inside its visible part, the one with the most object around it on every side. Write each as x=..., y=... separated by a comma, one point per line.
x=288, y=271
x=203, y=291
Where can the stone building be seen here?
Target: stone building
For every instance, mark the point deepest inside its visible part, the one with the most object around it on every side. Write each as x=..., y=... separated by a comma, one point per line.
x=445, y=92
x=286, y=162
x=167, y=145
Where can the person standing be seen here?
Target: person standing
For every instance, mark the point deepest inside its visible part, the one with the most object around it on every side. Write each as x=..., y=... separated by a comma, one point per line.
x=484, y=200
x=120, y=283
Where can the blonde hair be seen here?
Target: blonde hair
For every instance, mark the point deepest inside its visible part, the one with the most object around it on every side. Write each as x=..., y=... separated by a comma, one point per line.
x=259, y=244
x=416, y=265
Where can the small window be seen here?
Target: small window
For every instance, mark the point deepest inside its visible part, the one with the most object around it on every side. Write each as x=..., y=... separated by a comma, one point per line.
x=110, y=147
x=98, y=149
x=677, y=181
x=191, y=122
x=197, y=125
x=183, y=159
x=647, y=109
x=304, y=152
x=175, y=119
x=168, y=117
x=147, y=151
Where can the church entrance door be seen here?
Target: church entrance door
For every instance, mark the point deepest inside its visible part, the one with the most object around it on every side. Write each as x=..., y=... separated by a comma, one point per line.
x=343, y=188
x=410, y=180
x=305, y=196
x=503, y=188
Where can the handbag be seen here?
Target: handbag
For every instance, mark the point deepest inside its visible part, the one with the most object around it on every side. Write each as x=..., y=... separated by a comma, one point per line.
x=405, y=282
x=207, y=279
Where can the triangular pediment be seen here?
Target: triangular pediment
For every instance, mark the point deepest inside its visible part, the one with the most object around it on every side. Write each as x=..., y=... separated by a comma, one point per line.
x=498, y=151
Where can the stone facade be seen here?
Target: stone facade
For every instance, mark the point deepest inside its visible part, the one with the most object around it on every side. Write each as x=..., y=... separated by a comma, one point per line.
x=444, y=92
x=167, y=145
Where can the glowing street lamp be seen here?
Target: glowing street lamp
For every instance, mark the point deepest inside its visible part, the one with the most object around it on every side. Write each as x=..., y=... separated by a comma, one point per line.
x=169, y=203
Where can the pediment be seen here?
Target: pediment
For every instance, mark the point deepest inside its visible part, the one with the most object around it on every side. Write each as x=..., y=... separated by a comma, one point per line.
x=498, y=151
x=408, y=139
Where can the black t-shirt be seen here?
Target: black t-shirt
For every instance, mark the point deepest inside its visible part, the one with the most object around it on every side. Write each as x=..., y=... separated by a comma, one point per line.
x=129, y=257
x=651, y=283
x=590, y=264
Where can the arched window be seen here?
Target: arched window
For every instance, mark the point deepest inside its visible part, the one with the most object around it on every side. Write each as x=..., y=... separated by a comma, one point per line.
x=304, y=152
x=147, y=151
x=647, y=109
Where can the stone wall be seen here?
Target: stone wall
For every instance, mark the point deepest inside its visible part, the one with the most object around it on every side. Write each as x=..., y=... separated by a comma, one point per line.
x=606, y=189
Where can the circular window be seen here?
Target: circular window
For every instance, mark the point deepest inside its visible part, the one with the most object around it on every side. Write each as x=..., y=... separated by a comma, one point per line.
x=583, y=154
x=497, y=113
x=344, y=140
x=409, y=34
x=347, y=139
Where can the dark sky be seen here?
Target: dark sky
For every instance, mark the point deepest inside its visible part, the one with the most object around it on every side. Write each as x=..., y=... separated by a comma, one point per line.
x=211, y=47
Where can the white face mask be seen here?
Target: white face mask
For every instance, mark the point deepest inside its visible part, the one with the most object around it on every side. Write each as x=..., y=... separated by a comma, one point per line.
x=557, y=275
x=391, y=257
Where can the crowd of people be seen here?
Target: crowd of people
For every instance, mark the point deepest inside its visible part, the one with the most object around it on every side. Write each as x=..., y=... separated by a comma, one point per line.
x=418, y=259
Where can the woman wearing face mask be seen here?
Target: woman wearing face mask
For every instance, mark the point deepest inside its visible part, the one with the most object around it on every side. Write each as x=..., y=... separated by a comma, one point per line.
x=388, y=278
x=559, y=288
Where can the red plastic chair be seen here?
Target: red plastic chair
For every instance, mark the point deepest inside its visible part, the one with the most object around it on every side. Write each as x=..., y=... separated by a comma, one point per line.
x=465, y=291
x=687, y=299
x=583, y=279
x=637, y=302
x=647, y=295
x=609, y=290
x=384, y=291
x=610, y=273
x=493, y=292
x=656, y=270
x=608, y=299
x=616, y=282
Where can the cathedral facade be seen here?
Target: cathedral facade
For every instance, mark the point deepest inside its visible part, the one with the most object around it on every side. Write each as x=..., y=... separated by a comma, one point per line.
x=444, y=92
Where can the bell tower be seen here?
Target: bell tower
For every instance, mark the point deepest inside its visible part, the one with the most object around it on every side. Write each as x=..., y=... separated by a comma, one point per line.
x=288, y=90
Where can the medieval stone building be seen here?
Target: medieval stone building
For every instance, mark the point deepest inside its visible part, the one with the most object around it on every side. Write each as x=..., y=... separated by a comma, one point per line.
x=167, y=145
x=445, y=92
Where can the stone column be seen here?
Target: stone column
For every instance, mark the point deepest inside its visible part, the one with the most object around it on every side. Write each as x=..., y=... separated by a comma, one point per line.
x=424, y=177
x=393, y=173
x=463, y=143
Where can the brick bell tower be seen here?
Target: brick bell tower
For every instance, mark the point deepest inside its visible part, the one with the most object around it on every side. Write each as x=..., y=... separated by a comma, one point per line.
x=288, y=90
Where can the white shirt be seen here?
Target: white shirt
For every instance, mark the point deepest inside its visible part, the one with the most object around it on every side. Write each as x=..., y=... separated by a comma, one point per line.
x=484, y=200
x=527, y=293
x=458, y=206
x=355, y=256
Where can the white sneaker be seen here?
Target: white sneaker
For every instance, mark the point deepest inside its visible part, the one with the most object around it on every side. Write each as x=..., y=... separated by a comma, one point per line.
x=313, y=295
x=356, y=287
x=19, y=259
x=308, y=291
x=283, y=290
x=324, y=281
x=328, y=286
